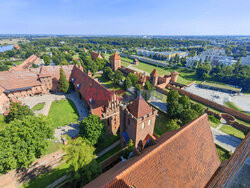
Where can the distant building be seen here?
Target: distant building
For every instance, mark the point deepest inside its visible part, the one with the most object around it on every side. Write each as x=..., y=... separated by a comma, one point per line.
x=115, y=62
x=95, y=55
x=27, y=63
x=16, y=46
x=163, y=55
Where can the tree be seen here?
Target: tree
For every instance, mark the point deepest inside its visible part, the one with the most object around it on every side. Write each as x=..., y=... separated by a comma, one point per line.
x=3, y=67
x=64, y=62
x=172, y=95
x=18, y=111
x=22, y=141
x=174, y=109
x=188, y=115
x=127, y=83
x=148, y=86
x=80, y=156
x=46, y=59
x=92, y=128
x=185, y=101
x=118, y=77
x=198, y=108
x=172, y=123
x=64, y=83
x=134, y=78
x=130, y=148
x=108, y=73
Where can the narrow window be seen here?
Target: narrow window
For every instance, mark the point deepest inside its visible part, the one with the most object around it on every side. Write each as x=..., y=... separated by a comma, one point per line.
x=143, y=125
x=149, y=122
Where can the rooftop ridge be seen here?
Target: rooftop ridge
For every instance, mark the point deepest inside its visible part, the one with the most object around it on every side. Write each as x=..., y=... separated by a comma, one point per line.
x=161, y=144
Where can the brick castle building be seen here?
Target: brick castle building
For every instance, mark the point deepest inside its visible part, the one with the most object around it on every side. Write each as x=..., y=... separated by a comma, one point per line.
x=115, y=62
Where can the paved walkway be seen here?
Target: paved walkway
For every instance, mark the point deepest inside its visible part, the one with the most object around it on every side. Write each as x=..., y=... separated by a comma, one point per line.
x=226, y=141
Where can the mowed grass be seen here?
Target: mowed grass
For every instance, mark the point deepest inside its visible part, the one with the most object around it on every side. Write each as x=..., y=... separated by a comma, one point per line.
x=186, y=76
x=109, y=154
x=127, y=59
x=2, y=122
x=63, y=112
x=45, y=179
x=232, y=131
x=53, y=147
x=233, y=106
x=222, y=153
x=125, y=64
x=107, y=83
x=38, y=106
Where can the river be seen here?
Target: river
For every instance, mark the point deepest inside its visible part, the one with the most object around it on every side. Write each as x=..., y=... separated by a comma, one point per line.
x=5, y=48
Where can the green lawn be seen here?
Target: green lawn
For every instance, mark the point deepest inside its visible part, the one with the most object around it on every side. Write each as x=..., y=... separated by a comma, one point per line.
x=186, y=76
x=161, y=124
x=108, y=140
x=127, y=59
x=107, y=83
x=2, y=122
x=233, y=106
x=222, y=153
x=63, y=112
x=232, y=131
x=49, y=177
x=108, y=154
x=223, y=86
x=38, y=106
x=125, y=64
x=53, y=147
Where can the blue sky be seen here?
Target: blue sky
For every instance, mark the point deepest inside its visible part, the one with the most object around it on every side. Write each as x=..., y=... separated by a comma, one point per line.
x=129, y=17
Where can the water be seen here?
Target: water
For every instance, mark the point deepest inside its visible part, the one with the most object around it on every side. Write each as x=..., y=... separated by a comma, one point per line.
x=5, y=48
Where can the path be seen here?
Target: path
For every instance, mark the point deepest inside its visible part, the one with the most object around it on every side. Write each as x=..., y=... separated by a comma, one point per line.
x=108, y=148
x=226, y=141
x=158, y=103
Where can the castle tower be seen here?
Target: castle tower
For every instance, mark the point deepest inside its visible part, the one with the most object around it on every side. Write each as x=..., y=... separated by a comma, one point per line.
x=115, y=61
x=174, y=76
x=137, y=122
x=154, y=77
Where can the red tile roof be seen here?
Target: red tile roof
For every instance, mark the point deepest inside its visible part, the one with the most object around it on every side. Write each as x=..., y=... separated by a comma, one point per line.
x=184, y=158
x=90, y=89
x=139, y=107
x=33, y=59
x=154, y=73
x=44, y=72
x=116, y=57
x=17, y=79
x=95, y=55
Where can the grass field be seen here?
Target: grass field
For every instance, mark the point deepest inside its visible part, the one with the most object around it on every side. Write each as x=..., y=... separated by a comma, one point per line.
x=53, y=147
x=127, y=59
x=232, y=131
x=2, y=122
x=108, y=140
x=49, y=177
x=223, y=154
x=107, y=83
x=38, y=106
x=63, y=112
x=108, y=154
x=233, y=106
x=223, y=86
x=125, y=64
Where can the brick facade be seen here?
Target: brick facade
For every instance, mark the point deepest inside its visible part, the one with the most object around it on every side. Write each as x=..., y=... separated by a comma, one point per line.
x=137, y=127
x=115, y=62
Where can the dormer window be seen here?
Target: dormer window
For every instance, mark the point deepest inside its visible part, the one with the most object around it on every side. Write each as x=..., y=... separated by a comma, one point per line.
x=73, y=80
